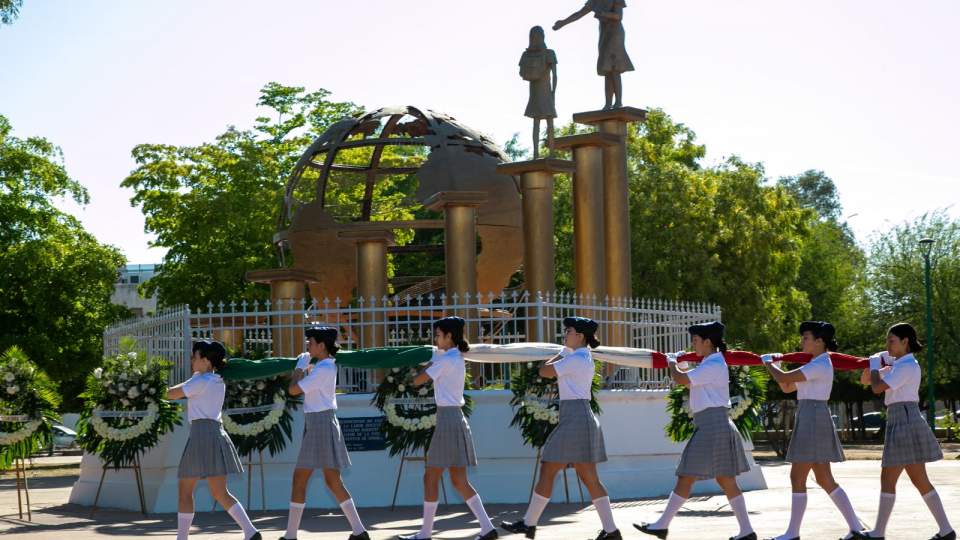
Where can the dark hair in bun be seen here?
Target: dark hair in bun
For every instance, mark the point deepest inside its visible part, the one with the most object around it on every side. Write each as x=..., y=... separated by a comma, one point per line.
x=821, y=330
x=326, y=335
x=907, y=331
x=454, y=327
x=214, y=351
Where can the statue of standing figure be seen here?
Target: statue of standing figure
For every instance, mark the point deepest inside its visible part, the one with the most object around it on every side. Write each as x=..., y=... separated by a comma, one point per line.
x=538, y=66
x=613, y=59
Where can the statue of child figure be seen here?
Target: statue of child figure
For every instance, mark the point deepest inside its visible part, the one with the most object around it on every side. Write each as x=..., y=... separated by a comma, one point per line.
x=538, y=65
x=612, y=57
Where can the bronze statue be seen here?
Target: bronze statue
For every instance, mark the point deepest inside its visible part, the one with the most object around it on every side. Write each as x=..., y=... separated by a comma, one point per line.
x=538, y=65
x=613, y=59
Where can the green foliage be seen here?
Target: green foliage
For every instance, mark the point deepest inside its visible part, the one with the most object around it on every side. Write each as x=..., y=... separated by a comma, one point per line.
x=815, y=190
x=9, y=10
x=214, y=206
x=529, y=387
x=398, y=384
x=748, y=395
x=25, y=390
x=126, y=382
x=55, y=278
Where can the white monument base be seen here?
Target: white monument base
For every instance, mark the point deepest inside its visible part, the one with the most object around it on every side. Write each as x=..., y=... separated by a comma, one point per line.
x=641, y=462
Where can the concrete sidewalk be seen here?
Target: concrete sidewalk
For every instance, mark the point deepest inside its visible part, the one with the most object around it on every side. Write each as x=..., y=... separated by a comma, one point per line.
x=703, y=517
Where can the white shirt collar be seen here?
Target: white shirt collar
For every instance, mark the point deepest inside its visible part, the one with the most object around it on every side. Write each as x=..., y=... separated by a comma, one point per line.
x=824, y=356
x=715, y=356
x=908, y=356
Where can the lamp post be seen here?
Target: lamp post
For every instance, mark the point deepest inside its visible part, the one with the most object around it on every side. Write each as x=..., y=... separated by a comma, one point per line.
x=926, y=245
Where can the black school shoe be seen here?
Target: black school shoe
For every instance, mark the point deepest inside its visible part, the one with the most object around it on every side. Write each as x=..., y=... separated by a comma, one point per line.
x=751, y=536
x=361, y=536
x=489, y=536
x=952, y=535
x=604, y=535
x=863, y=535
x=645, y=528
x=519, y=527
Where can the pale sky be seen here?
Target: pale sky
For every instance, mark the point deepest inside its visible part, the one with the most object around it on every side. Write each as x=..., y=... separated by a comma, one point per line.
x=864, y=90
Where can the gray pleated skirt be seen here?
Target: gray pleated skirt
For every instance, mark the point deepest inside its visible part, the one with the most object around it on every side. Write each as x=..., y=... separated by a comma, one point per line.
x=209, y=452
x=908, y=438
x=322, y=446
x=452, y=442
x=715, y=449
x=814, y=438
x=577, y=438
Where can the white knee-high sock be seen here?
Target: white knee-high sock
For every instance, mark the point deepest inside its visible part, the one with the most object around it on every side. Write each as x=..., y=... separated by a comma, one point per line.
x=535, y=509
x=479, y=512
x=429, y=511
x=350, y=512
x=606, y=513
x=739, y=507
x=183, y=525
x=839, y=497
x=673, y=506
x=936, y=508
x=883, y=514
x=798, y=506
x=240, y=516
x=293, y=520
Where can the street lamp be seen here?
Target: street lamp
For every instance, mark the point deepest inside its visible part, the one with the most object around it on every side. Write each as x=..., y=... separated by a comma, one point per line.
x=926, y=245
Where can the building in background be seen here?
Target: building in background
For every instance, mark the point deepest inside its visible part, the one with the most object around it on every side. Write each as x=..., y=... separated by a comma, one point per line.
x=126, y=290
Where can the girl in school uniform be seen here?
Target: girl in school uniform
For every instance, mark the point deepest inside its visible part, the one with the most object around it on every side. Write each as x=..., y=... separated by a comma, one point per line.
x=209, y=452
x=451, y=446
x=715, y=450
x=578, y=438
x=814, y=443
x=322, y=447
x=909, y=443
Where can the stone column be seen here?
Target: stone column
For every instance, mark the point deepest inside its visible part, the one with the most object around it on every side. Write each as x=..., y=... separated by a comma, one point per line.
x=536, y=185
x=287, y=294
x=371, y=247
x=460, y=247
x=616, y=208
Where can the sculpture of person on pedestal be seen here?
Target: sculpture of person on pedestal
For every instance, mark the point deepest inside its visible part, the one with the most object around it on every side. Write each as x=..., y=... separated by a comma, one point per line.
x=613, y=59
x=538, y=66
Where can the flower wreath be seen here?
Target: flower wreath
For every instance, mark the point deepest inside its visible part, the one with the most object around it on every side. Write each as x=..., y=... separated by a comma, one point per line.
x=536, y=402
x=28, y=407
x=257, y=414
x=748, y=393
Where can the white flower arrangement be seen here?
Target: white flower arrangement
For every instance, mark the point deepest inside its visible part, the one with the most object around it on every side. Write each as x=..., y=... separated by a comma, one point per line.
x=536, y=409
x=257, y=427
x=29, y=427
x=124, y=434
x=408, y=424
x=741, y=404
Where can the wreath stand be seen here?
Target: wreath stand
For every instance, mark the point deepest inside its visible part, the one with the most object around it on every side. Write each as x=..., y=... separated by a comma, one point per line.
x=138, y=475
x=403, y=459
x=23, y=488
x=263, y=494
x=566, y=484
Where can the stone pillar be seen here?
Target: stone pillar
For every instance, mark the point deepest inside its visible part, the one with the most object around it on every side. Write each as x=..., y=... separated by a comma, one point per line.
x=460, y=247
x=588, y=221
x=536, y=186
x=371, y=247
x=287, y=295
x=616, y=208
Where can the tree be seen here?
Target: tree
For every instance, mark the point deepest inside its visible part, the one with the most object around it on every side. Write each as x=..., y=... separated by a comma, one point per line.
x=55, y=278
x=214, y=206
x=814, y=189
x=9, y=10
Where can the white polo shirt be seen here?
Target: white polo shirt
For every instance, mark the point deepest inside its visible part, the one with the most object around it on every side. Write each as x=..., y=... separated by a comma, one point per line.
x=319, y=385
x=819, y=375
x=575, y=374
x=205, y=393
x=903, y=379
x=447, y=370
x=710, y=384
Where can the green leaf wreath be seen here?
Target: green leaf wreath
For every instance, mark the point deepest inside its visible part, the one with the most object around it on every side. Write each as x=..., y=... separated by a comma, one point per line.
x=747, y=394
x=408, y=428
x=259, y=431
x=126, y=382
x=25, y=391
x=536, y=402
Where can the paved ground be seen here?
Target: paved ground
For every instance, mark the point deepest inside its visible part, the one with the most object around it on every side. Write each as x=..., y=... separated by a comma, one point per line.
x=704, y=517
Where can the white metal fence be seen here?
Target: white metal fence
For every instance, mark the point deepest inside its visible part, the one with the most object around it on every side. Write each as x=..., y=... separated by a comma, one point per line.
x=265, y=328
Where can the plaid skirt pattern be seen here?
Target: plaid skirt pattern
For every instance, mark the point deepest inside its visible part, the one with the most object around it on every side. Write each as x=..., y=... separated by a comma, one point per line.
x=908, y=438
x=322, y=446
x=209, y=452
x=577, y=438
x=452, y=442
x=715, y=449
x=814, y=438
